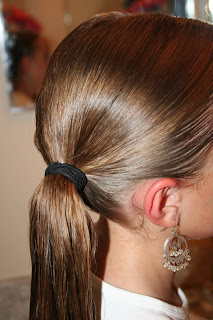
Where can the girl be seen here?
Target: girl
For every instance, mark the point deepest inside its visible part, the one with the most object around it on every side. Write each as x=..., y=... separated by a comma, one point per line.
x=124, y=123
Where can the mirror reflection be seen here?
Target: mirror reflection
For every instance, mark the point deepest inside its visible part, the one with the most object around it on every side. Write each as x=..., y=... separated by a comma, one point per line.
x=28, y=47
x=27, y=55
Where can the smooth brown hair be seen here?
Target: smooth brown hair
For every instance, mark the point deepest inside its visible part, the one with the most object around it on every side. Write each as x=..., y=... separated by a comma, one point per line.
x=126, y=98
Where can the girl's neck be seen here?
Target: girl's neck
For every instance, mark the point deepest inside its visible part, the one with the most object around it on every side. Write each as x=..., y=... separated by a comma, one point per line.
x=134, y=262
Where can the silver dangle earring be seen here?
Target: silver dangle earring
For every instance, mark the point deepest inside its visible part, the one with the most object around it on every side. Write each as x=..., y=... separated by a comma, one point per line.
x=176, y=253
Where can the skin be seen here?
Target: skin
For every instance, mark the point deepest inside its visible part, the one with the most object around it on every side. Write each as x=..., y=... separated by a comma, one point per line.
x=32, y=69
x=197, y=219
x=131, y=258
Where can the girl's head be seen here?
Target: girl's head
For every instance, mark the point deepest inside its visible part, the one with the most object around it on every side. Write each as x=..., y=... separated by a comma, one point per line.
x=126, y=98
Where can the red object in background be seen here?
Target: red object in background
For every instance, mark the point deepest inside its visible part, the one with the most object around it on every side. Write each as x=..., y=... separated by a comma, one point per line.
x=144, y=5
x=18, y=20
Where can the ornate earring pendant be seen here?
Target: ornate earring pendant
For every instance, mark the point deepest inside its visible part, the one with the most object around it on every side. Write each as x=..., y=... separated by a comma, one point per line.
x=176, y=253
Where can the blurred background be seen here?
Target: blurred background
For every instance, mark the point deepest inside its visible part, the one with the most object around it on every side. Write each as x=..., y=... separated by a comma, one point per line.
x=29, y=32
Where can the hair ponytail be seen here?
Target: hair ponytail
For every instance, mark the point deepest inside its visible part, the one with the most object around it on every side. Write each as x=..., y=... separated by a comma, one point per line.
x=60, y=243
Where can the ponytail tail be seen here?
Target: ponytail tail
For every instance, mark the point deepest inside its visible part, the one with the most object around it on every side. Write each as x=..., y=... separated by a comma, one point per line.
x=60, y=245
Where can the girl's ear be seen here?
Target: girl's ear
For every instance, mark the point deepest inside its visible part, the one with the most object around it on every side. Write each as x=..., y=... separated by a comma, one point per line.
x=160, y=202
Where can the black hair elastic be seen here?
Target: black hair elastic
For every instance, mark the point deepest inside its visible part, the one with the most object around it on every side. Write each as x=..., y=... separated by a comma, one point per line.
x=70, y=172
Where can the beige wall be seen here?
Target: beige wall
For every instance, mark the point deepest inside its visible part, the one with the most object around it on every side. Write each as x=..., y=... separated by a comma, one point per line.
x=21, y=169
x=84, y=9
x=51, y=15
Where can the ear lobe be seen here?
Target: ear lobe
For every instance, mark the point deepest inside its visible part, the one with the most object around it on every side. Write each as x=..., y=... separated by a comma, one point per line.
x=161, y=203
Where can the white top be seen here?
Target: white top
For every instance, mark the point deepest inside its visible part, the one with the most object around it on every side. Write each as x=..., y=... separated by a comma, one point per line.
x=119, y=304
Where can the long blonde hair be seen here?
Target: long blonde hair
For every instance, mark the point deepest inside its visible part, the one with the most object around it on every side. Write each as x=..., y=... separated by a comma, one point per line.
x=126, y=98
